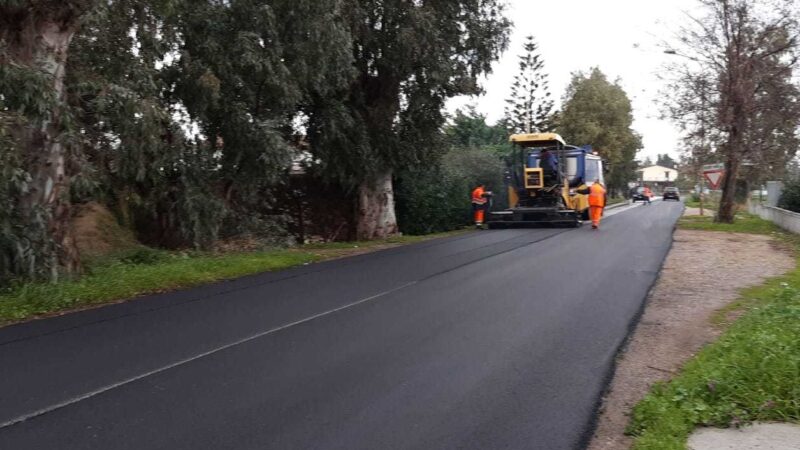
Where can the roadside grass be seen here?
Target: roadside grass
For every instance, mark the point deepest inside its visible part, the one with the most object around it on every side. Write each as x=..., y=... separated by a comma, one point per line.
x=394, y=240
x=146, y=271
x=616, y=200
x=744, y=223
x=711, y=206
x=750, y=374
x=710, y=201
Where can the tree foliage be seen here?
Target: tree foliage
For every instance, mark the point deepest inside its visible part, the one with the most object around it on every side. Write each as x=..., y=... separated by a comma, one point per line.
x=666, y=161
x=468, y=129
x=409, y=59
x=728, y=91
x=437, y=197
x=790, y=196
x=36, y=148
x=598, y=112
x=529, y=108
x=185, y=116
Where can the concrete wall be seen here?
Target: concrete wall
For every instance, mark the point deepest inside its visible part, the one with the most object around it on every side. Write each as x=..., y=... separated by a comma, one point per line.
x=774, y=191
x=788, y=220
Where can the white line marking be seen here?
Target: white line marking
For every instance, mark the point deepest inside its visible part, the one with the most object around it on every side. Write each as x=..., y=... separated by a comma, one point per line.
x=181, y=362
x=622, y=209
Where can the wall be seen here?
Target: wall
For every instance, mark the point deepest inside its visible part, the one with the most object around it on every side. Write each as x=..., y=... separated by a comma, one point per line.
x=788, y=220
x=774, y=190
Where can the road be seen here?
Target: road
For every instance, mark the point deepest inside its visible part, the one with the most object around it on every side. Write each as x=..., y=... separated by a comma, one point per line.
x=494, y=339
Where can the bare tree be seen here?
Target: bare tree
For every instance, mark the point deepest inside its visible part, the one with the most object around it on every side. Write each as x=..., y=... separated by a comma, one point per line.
x=738, y=60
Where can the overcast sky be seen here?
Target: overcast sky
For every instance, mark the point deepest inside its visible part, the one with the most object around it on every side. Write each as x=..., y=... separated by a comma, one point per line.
x=622, y=37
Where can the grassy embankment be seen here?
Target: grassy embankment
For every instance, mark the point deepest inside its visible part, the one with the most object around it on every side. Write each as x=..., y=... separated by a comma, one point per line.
x=616, y=200
x=750, y=374
x=146, y=271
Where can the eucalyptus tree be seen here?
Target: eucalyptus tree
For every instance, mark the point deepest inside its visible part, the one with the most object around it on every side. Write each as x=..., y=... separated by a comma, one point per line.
x=187, y=107
x=35, y=41
x=409, y=58
x=244, y=70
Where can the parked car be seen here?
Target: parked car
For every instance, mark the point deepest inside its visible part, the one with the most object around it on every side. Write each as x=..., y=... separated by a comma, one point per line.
x=637, y=195
x=671, y=193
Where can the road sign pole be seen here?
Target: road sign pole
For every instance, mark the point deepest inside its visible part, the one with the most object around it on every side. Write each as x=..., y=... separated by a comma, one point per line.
x=701, y=194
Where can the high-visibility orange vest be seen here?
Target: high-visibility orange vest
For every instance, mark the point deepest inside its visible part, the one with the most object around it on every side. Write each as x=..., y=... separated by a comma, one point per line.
x=477, y=196
x=597, y=195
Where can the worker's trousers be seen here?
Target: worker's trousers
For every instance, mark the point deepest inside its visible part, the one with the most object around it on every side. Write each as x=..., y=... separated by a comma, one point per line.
x=595, y=213
x=478, y=211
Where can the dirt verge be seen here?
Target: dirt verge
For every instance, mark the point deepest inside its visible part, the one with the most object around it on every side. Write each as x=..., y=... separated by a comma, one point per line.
x=703, y=272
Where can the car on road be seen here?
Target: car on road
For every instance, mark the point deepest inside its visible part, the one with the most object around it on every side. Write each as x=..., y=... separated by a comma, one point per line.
x=637, y=195
x=671, y=193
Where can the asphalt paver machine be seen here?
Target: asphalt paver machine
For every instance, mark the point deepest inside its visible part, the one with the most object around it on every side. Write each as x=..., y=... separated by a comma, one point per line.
x=544, y=176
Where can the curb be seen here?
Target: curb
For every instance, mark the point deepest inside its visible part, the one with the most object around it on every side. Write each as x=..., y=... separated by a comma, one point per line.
x=619, y=205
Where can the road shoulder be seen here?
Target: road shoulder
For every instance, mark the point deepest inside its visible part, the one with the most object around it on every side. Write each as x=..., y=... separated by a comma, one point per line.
x=703, y=273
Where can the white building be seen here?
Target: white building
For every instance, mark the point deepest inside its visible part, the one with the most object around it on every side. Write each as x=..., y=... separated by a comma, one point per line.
x=657, y=175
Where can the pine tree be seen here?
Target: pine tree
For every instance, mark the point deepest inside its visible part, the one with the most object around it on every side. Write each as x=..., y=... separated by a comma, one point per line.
x=530, y=107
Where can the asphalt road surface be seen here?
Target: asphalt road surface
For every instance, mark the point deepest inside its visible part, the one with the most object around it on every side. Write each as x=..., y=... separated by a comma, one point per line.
x=494, y=339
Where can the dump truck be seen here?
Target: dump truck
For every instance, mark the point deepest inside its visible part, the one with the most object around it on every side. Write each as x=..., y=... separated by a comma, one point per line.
x=543, y=177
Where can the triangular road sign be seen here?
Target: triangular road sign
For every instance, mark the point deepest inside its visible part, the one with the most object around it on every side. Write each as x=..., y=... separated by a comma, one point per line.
x=714, y=178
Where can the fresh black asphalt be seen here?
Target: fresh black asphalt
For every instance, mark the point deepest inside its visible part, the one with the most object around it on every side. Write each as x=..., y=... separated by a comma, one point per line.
x=494, y=339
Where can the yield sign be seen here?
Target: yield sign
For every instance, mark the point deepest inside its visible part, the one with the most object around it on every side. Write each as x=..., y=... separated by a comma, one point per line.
x=714, y=177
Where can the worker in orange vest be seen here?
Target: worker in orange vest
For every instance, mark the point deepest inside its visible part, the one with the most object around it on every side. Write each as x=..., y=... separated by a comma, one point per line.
x=597, y=202
x=648, y=194
x=479, y=203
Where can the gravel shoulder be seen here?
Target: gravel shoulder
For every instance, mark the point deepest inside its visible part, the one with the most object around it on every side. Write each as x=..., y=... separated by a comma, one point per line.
x=703, y=272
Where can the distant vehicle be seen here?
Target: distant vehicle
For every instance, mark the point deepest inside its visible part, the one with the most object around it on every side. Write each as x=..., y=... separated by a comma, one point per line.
x=637, y=195
x=671, y=193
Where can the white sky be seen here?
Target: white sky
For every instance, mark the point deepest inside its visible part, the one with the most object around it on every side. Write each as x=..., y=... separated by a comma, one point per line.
x=622, y=37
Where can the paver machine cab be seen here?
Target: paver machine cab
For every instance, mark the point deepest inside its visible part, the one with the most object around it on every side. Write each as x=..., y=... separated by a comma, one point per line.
x=543, y=177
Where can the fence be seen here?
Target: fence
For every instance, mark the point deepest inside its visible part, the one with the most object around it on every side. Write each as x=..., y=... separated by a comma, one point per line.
x=788, y=220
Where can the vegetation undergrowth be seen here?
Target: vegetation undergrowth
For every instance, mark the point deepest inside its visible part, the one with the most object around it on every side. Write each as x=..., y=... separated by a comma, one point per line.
x=146, y=271
x=744, y=223
x=711, y=206
x=616, y=200
x=749, y=374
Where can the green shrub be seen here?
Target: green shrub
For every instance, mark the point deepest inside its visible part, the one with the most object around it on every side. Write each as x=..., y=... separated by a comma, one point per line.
x=437, y=198
x=790, y=198
x=144, y=255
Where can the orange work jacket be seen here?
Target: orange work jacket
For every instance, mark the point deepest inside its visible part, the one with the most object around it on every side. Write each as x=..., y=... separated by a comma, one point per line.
x=597, y=195
x=477, y=196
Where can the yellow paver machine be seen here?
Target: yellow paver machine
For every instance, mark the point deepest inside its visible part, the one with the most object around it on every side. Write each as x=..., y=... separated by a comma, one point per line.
x=543, y=177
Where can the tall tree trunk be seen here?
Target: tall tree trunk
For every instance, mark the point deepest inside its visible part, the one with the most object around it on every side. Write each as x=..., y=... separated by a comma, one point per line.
x=737, y=99
x=376, y=213
x=727, y=204
x=38, y=40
